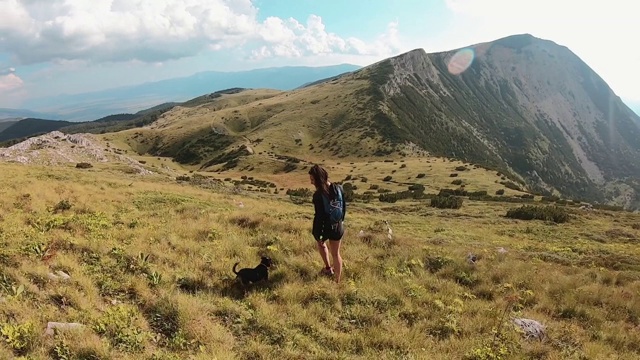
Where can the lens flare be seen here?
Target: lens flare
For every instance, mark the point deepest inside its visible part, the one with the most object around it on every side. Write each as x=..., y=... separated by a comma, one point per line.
x=460, y=61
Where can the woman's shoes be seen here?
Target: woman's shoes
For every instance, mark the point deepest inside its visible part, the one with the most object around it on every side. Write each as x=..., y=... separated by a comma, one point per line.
x=328, y=271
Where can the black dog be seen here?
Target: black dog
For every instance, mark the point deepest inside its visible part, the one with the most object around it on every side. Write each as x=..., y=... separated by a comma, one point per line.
x=258, y=273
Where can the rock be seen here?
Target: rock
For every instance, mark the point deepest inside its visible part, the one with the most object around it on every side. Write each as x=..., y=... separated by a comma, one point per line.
x=59, y=275
x=472, y=258
x=62, y=326
x=56, y=148
x=530, y=328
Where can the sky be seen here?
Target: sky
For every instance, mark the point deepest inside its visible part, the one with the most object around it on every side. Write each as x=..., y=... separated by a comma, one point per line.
x=50, y=47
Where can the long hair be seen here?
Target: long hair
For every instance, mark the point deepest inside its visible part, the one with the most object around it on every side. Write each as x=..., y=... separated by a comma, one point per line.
x=320, y=178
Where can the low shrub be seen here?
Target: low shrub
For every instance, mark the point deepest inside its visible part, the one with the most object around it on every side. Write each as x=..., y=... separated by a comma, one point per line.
x=534, y=212
x=447, y=202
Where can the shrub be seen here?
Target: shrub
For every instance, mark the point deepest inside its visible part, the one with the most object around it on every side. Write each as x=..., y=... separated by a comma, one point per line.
x=62, y=206
x=457, y=182
x=403, y=166
x=453, y=175
x=182, y=178
x=534, y=212
x=500, y=192
x=451, y=192
x=461, y=168
x=416, y=187
x=302, y=192
x=387, y=178
x=83, y=165
x=446, y=202
x=118, y=325
x=420, y=176
x=20, y=338
x=511, y=185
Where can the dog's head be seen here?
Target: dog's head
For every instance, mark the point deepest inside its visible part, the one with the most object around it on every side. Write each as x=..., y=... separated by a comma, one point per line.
x=266, y=261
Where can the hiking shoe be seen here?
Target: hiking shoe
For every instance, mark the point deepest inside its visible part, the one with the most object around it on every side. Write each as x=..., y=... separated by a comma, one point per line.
x=327, y=271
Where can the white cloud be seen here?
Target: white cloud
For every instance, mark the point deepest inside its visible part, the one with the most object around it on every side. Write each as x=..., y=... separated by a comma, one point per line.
x=9, y=82
x=293, y=39
x=36, y=31
x=600, y=33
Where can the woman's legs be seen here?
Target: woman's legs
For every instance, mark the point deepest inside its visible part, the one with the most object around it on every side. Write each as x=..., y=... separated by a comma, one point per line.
x=334, y=247
x=324, y=253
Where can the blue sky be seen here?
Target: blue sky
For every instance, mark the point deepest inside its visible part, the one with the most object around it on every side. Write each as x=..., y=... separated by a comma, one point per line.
x=50, y=47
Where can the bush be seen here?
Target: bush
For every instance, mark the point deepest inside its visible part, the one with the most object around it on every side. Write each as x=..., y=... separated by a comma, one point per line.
x=302, y=192
x=457, y=182
x=387, y=178
x=446, y=202
x=511, y=185
x=416, y=187
x=83, y=165
x=420, y=176
x=534, y=212
x=61, y=206
x=461, y=168
x=500, y=192
x=451, y=192
x=453, y=175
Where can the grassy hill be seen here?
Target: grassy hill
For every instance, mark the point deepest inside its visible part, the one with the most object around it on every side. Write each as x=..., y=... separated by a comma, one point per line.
x=135, y=245
x=149, y=263
x=30, y=127
x=525, y=107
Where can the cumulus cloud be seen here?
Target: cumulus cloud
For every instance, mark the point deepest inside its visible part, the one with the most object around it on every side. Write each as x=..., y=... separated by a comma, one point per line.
x=9, y=82
x=158, y=30
x=292, y=39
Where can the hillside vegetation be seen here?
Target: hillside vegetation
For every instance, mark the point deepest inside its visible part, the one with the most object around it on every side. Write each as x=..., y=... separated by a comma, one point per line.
x=149, y=260
x=525, y=107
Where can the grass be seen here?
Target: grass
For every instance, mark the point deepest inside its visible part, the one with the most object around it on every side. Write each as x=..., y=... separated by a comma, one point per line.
x=150, y=265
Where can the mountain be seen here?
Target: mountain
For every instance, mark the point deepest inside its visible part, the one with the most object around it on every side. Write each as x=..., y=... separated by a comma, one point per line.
x=5, y=123
x=22, y=113
x=129, y=99
x=526, y=107
x=30, y=127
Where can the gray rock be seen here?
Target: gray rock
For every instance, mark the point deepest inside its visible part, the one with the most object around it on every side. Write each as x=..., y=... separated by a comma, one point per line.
x=531, y=328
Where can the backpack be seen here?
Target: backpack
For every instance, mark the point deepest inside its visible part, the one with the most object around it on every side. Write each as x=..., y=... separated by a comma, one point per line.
x=334, y=207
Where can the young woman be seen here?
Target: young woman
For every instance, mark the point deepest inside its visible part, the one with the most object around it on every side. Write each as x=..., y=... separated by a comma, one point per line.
x=322, y=229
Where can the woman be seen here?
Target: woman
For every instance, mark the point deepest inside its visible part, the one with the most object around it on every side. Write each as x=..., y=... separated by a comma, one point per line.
x=322, y=227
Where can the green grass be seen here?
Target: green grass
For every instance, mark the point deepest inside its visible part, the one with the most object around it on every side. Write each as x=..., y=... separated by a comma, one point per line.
x=150, y=264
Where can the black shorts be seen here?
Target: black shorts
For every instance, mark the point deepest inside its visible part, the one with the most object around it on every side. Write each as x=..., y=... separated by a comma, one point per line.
x=328, y=233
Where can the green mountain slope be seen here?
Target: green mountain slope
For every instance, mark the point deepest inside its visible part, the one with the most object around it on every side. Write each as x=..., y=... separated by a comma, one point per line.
x=525, y=106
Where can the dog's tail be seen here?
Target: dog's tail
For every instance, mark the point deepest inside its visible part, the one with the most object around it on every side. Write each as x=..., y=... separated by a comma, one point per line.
x=234, y=268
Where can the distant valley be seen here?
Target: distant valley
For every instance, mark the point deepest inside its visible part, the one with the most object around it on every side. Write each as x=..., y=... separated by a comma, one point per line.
x=130, y=99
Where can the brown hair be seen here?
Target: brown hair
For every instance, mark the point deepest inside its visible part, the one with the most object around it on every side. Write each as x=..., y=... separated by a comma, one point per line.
x=320, y=178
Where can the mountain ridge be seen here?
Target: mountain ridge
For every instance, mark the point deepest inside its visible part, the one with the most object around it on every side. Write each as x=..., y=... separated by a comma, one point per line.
x=524, y=106
x=132, y=98
x=538, y=103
